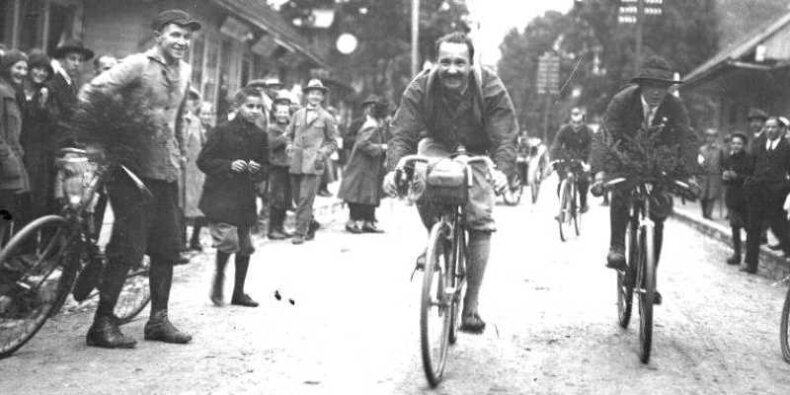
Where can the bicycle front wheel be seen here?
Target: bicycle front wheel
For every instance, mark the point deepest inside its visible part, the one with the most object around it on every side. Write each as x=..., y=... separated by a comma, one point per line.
x=565, y=216
x=32, y=282
x=135, y=293
x=647, y=283
x=576, y=216
x=783, y=328
x=436, y=305
x=625, y=280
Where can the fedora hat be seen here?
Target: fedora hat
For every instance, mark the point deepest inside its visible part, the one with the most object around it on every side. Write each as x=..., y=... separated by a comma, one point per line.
x=72, y=46
x=272, y=81
x=755, y=113
x=315, y=84
x=656, y=69
x=283, y=96
x=371, y=99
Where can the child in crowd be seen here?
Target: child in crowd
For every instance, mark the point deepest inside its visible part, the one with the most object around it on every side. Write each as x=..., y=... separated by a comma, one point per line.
x=233, y=160
x=736, y=166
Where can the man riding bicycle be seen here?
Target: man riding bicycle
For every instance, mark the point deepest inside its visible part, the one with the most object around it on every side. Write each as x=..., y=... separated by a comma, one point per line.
x=457, y=104
x=644, y=105
x=572, y=143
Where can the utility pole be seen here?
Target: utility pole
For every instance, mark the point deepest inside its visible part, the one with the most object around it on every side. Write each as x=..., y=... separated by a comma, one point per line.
x=415, y=37
x=640, y=22
x=634, y=12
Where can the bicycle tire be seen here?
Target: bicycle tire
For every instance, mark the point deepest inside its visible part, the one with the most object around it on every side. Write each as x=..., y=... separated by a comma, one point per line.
x=457, y=281
x=21, y=300
x=783, y=328
x=434, y=365
x=563, y=218
x=135, y=294
x=576, y=215
x=648, y=284
x=625, y=280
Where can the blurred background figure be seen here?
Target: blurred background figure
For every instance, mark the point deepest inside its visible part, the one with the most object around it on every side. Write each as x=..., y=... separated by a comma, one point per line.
x=103, y=63
x=710, y=156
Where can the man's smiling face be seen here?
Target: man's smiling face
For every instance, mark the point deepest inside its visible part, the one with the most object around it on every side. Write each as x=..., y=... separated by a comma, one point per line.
x=454, y=65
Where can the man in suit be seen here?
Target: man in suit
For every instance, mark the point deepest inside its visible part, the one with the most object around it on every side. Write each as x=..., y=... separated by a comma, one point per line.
x=644, y=105
x=756, y=119
x=64, y=84
x=766, y=190
x=312, y=137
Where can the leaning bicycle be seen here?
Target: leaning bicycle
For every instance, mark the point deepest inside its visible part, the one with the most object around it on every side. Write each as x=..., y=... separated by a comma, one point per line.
x=41, y=263
x=445, y=184
x=639, y=277
x=784, y=329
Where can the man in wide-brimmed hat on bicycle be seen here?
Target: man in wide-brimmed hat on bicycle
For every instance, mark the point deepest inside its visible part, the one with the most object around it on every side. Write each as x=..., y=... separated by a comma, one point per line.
x=646, y=104
x=453, y=104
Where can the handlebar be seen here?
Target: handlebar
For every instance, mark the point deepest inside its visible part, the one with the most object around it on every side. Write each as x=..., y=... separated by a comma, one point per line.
x=408, y=161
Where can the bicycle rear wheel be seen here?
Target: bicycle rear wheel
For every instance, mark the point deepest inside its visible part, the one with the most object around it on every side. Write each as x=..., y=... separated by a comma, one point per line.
x=647, y=281
x=436, y=305
x=33, y=283
x=135, y=293
x=783, y=328
x=625, y=280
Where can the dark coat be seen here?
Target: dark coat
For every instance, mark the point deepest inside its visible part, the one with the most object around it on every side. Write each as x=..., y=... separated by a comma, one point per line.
x=492, y=128
x=624, y=117
x=743, y=166
x=229, y=197
x=364, y=173
x=278, y=141
x=772, y=168
x=755, y=142
x=38, y=138
x=13, y=175
x=570, y=144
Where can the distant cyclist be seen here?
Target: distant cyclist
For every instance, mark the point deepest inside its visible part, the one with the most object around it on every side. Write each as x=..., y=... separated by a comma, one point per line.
x=573, y=142
x=456, y=103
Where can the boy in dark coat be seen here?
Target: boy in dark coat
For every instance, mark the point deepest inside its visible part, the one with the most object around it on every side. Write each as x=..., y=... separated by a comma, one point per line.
x=233, y=160
x=736, y=167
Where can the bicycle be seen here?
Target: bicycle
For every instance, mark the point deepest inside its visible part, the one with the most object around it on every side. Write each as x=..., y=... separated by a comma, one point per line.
x=446, y=184
x=640, y=274
x=784, y=330
x=569, y=214
x=41, y=263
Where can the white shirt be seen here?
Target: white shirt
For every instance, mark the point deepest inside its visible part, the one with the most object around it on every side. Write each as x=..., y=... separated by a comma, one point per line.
x=771, y=145
x=648, y=112
x=58, y=69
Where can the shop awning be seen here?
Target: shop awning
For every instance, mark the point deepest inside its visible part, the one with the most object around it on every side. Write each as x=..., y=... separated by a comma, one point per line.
x=264, y=17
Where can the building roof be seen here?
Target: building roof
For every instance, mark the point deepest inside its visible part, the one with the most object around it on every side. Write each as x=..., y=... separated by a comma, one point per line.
x=731, y=55
x=264, y=17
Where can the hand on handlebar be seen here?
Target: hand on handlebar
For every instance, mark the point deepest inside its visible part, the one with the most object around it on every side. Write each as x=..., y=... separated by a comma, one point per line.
x=597, y=187
x=499, y=180
x=390, y=184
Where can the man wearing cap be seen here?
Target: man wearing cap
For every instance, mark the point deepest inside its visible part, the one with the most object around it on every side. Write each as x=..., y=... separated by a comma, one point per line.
x=158, y=81
x=64, y=84
x=573, y=142
x=645, y=104
x=312, y=136
x=756, y=119
x=765, y=192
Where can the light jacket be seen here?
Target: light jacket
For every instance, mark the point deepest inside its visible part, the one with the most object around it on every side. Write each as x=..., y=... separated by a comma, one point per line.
x=311, y=142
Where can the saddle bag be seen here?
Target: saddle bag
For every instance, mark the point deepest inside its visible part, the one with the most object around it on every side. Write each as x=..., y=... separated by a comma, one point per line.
x=446, y=182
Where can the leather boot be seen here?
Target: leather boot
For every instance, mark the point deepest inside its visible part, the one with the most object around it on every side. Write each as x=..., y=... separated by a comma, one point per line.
x=105, y=333
x=239, y=297
x=479, y=248
x=735, y=259
x=158, y=326
x=219, y=278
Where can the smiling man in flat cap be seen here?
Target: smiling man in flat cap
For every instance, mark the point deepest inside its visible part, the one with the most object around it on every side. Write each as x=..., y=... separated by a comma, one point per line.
x=158, y=81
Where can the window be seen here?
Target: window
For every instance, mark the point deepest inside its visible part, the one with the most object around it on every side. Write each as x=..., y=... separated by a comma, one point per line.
x=31, y=24
x=6, y=22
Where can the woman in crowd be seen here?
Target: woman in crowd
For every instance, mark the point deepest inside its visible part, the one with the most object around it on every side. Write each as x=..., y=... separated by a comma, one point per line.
x=14, y=182
x=362, y=177
x=38, y=135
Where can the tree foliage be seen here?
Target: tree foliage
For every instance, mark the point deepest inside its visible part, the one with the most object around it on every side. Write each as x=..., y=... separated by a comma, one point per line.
x=382, y=62
x=597, y=54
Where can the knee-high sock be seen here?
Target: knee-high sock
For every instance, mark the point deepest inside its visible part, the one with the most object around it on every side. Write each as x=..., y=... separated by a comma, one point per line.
x=242, y=264
x=161, y=279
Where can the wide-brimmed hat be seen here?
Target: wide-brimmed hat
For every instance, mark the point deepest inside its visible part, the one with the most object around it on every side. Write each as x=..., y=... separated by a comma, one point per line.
x=371, y=99
x=272, y=81
x=757, y=113
x=175, y=16
x=284, y=97
x=38, y=59
x=72, y=46
x=656, y=69
x=315, y=84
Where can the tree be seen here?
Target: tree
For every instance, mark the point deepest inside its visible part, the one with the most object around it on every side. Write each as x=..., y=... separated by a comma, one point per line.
x=598, y=53
x=382, y=62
